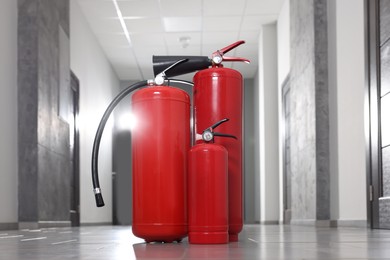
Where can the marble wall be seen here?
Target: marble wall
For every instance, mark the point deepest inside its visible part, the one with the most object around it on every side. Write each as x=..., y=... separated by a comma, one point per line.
x=309, y=111
x=44, y=155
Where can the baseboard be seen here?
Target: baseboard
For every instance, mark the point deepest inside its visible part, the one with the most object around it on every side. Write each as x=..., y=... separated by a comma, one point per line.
x=311, y=222
x=51, y=224
x=330, y=223
x=96, y=224
x=28, y=225
x=43, y=224
x=351, y=223
x=269, y=222
x=8, y=226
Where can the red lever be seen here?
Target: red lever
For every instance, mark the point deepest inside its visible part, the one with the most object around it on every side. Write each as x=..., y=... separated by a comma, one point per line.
x=218, y=56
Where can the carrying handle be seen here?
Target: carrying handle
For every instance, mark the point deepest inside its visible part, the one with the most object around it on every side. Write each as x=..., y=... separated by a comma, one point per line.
x=218, y=56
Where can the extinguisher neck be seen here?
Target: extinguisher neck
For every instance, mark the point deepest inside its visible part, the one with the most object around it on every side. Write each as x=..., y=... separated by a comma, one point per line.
x=215, y=65
x=209, y=134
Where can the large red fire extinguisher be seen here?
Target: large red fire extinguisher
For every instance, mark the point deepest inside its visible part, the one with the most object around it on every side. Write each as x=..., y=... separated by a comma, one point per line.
x=160, y=143
x=218, y=93
x=208, y=221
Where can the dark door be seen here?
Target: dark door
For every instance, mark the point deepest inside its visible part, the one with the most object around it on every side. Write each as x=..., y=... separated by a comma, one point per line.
x=379, y=111
x=286, y=151
x=75, y=151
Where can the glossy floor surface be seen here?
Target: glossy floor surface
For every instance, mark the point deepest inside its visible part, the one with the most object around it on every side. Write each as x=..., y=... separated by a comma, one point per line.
x=256, y=242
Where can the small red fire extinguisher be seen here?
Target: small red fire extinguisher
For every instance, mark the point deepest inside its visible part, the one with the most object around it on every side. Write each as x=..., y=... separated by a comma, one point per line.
x=218, y=93
x=208, y=221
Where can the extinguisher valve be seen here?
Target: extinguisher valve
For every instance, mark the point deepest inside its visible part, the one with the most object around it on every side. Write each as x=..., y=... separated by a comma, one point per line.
x=218, y=56
x=208, y=134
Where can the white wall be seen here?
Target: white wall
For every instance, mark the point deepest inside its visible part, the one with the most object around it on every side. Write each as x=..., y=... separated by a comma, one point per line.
x=98, y=85
x=8, y=112
x=283, y=34
x=348, y=125
x=269, y=137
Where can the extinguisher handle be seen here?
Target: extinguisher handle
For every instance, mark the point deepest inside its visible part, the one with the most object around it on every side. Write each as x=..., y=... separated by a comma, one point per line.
x=236, y=59
x=224, y=135
x=231, y=47
x=218, y=56
x=218, y=123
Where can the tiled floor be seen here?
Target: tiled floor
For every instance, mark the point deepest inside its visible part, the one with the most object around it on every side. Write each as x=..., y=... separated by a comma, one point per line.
x=256, y=242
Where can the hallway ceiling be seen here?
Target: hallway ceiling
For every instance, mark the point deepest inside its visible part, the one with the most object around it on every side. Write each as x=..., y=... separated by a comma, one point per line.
x=177, y=27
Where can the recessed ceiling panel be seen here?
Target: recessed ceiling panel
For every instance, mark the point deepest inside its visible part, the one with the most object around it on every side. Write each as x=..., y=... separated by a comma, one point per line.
x=99, y=9
x=177, y=8
x=223, y=8
x=254, y=23
x=183, y=24
x=183, y=38
x=192, y=50
x=220, y=39
x=222, y=24
x=263, y=7
x=142, y=40
x=144, y=25
x=144, y=8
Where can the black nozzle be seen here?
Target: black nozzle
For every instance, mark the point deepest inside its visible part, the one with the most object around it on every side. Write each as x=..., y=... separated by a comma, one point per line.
x=193, y=63
x=99, y=200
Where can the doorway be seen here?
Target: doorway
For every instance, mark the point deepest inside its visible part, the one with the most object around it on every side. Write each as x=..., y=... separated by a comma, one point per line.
x=378, y=96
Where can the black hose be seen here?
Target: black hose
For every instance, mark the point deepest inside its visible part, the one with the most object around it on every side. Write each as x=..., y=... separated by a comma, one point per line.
x=98, y=137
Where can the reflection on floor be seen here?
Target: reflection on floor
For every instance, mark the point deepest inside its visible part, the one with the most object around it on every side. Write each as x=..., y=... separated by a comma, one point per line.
x=256, y=242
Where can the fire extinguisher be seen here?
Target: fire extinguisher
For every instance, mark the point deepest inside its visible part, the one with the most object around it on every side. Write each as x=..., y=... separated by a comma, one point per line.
x=218, y=93
x=208, y=221
x=160, y=144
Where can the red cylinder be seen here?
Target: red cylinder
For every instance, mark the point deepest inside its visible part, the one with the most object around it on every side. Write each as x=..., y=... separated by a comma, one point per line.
x=208, y=194
x=160, y=144
x=217, y=95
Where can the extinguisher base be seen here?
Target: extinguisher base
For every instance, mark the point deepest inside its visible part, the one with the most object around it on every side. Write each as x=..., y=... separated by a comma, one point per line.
x=208, y=237
x=233, y=237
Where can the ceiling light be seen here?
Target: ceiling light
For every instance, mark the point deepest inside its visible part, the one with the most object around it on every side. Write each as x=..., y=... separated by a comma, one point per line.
x=122, y=21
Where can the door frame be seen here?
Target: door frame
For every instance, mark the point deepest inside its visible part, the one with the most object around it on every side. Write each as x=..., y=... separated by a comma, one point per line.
x=75, y=203
x=372, y=111
x=286, y=194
